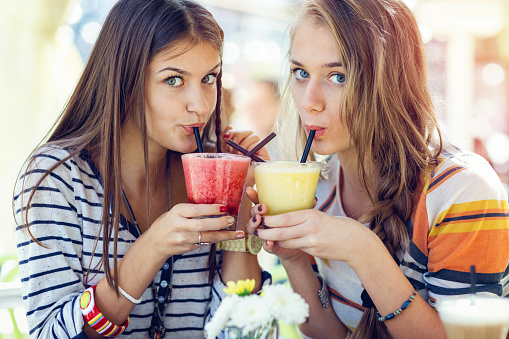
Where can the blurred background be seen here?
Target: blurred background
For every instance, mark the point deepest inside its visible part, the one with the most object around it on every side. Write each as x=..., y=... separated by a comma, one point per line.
x=45, y=43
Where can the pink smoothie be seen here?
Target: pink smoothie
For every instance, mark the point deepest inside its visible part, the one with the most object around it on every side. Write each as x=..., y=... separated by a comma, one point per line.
x=215, y=178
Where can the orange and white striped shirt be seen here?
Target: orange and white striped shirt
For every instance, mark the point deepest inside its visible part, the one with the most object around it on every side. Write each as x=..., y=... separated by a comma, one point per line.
x=461, y=219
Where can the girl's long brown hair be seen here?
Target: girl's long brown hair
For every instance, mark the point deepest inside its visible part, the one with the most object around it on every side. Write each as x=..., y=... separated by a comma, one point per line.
x=387, y=108
x=111, y=90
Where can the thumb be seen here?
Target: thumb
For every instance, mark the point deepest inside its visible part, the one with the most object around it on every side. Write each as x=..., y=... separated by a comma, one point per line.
x=315, y=202
x=252, y=195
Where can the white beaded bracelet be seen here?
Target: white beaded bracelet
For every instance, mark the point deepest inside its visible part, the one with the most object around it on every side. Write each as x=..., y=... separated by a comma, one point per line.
x=128, y=297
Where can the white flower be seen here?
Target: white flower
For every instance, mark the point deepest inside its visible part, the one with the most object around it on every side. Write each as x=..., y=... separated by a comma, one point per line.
x=286, y=305
x=223, y=313
x=250, y=313
x=254, y=315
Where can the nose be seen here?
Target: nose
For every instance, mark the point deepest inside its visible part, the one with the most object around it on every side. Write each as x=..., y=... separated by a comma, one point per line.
x=313, y=99
x=198, y=101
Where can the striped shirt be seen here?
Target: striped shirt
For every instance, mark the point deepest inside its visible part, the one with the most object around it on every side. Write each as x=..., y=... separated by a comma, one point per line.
x=65, y=216
x=461, y=219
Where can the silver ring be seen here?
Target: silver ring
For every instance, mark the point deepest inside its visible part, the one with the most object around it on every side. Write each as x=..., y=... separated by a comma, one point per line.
x=199, y=243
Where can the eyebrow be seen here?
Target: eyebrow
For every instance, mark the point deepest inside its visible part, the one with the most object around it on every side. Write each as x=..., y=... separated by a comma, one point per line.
x=181, y=71
x=329, y=65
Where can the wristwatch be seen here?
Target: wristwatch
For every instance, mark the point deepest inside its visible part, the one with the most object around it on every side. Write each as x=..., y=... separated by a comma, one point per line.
x=250, y=244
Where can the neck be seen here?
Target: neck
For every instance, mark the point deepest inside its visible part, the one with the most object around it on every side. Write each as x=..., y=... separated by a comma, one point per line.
x=350, y=166
x=133, y=162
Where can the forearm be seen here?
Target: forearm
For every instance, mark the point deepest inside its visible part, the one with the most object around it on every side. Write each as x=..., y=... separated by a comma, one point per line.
x=237, y=265
x=389, y=288
x=241, y=266
x=135, y=273
x=322, y=322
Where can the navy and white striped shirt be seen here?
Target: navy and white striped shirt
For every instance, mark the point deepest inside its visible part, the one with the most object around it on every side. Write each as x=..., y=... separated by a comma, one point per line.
x=65, y=216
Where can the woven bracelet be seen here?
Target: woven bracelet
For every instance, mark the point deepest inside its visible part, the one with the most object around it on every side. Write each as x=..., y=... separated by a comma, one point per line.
x=398, y=311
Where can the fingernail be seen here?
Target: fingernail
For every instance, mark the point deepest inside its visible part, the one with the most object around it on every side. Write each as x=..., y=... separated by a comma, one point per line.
x=223, y=209
x=255, y=232
x=240, y=235
x=263, y=221
x=231, y=221
x=254, y=218
x=226, y=136
x=260, y=208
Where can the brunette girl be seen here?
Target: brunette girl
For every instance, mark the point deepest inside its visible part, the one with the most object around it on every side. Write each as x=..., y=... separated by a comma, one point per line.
x=107, y=242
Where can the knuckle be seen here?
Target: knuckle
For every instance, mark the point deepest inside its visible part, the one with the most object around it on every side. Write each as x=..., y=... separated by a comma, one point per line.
x=313, y=242
x=314, y=228
x=193, y=209
x=285, y=219
x=212, y=237
x=180, y=238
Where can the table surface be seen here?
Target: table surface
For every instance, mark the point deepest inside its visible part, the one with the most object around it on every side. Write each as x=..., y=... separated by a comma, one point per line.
x=10, y=295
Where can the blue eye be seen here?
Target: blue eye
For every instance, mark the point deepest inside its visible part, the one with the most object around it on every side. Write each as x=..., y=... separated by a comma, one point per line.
x=338, y=78
x=209, y=79
x=300, y=73
x=175, y=81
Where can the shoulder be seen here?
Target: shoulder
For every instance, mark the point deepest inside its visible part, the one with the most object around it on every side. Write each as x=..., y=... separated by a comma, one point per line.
x=467, y=174
x=46, y=157
x=57, y=166
x=55, y=158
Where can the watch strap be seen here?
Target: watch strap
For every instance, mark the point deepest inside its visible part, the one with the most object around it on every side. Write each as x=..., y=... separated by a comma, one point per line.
x=250, y=244
x=237, y=245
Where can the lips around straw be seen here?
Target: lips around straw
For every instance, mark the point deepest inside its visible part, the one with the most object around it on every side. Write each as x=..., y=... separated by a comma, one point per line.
x=198, y=139
x=308, y=146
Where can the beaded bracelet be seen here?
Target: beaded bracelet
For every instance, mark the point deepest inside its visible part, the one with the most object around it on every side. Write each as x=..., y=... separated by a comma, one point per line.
x=398, y=311
x=96, y=319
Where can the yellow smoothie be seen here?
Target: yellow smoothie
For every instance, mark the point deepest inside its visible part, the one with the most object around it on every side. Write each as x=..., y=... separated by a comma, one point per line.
x=285, y=186
x=488, y=318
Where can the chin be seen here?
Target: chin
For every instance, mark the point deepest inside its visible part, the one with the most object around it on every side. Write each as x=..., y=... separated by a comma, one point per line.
x=183, y=148
x=322, y=149
x=328, y=148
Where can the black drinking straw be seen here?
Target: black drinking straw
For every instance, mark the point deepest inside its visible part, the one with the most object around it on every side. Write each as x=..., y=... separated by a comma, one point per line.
x=198, y=139
x=261, y=144
x=472, y=285
x=243, y=150
x=308, y=146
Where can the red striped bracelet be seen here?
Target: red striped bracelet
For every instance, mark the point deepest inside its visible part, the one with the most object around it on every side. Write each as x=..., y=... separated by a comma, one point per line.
x=96, y=319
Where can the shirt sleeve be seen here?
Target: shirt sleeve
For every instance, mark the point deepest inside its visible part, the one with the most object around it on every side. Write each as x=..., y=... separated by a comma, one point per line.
x=51, y=273
x=469, y=225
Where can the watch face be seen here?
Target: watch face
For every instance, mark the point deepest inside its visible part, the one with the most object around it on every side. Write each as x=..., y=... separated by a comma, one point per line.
x=254, y=244
x=85, y=299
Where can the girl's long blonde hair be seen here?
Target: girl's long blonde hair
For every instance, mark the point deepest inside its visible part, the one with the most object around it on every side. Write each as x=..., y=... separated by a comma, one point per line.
x=387, y=108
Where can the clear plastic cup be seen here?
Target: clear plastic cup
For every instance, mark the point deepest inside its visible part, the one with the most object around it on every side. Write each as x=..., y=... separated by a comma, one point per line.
x=487, y=318
x=286, y=186
x=216, y=178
